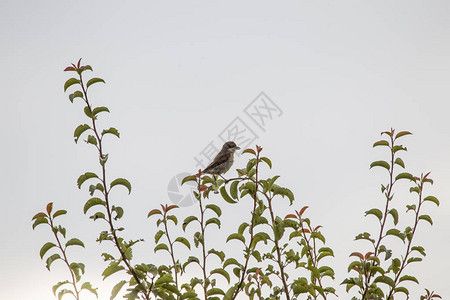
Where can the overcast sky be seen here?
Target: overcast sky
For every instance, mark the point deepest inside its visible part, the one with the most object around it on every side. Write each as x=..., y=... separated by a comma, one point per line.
x=181, y=74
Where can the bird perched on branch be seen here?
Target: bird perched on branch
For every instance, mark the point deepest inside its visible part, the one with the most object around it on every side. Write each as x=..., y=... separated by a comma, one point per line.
x=223, y=160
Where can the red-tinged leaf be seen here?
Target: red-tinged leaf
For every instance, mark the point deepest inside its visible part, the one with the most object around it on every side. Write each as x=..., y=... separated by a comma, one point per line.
x=171, y=207
x=368, y=254
x=387, y=132
x=402, y=133
x=69, y=69
x=357, y=254
x=317, y=227
x=355, y=268
x=292, y=216
x=39, y=215
x=49, y=207
x=251, y=151
x=154, y=212
x=78, y=64
x=203, y=187
x=302, y=210
x=305, y=230
x=258, y=148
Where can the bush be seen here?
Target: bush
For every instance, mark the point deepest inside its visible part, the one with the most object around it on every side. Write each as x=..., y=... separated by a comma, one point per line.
x=283, y=257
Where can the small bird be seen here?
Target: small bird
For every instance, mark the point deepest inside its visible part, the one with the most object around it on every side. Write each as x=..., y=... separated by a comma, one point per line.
x=223, y=160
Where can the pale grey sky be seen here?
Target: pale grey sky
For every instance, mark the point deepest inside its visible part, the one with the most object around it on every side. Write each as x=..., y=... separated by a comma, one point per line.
x=341, y=71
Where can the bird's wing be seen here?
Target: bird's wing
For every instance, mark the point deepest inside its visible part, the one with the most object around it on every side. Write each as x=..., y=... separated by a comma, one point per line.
x=218, y=160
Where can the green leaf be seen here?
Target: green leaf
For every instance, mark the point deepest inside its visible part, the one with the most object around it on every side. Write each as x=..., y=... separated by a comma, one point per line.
x=215, y=291
x=432, y=199
x=219, y=254
x=376, y=212
x=381, y=143
x=242, y=227
x=230, y=292
x=88, y=112
x=405, y=176
x=386, y=280
x=63, y=292
x=87, y=286
x=426, y=218
x=399, y=162
x=111, y=130
x=231, y=261
x=59, y=213
x=215, y=209
x=394, y=213
x=74, y=242
x=92, y=140
x=166, y=278
x=77, y=94
x=396, y=232
x=161, y=247
x=93, y=188
x=408, y=277
x=413, y=259
x=234, y=189
x=94, y=80
x=267, y=161
x=119, y=212
x=189, y=178
x=401, y=289
x=92, y=202
x=79, y=130
x=51, y=259
x=40, y=220
x=260, y=236
x=58, y=285
x=173, y=219
x=318, y=235
x=158, y=236
x=398, y=148
x=225, y=195
x=70, y=82
x=122, y=181
x=45, y=248
x=402, y=133
x=84, y=177
x=187, y=221
x=380, y=163
x=190, y=260
x=111, y=269
x=98, y=110
x=221, y=272
x=420, y=249
x=236, y=236
x=183, y=241
x=277, y=190
x=97, y=215
x=213, y=221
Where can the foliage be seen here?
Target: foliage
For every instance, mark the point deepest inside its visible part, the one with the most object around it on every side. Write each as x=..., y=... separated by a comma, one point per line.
x=76, y=270
x=282, y=257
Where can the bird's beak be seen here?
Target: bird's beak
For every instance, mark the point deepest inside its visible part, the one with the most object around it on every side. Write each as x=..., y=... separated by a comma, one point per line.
x=238, y=148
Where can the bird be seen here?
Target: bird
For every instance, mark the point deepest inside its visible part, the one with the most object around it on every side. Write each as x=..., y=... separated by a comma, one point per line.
x=223, y=160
